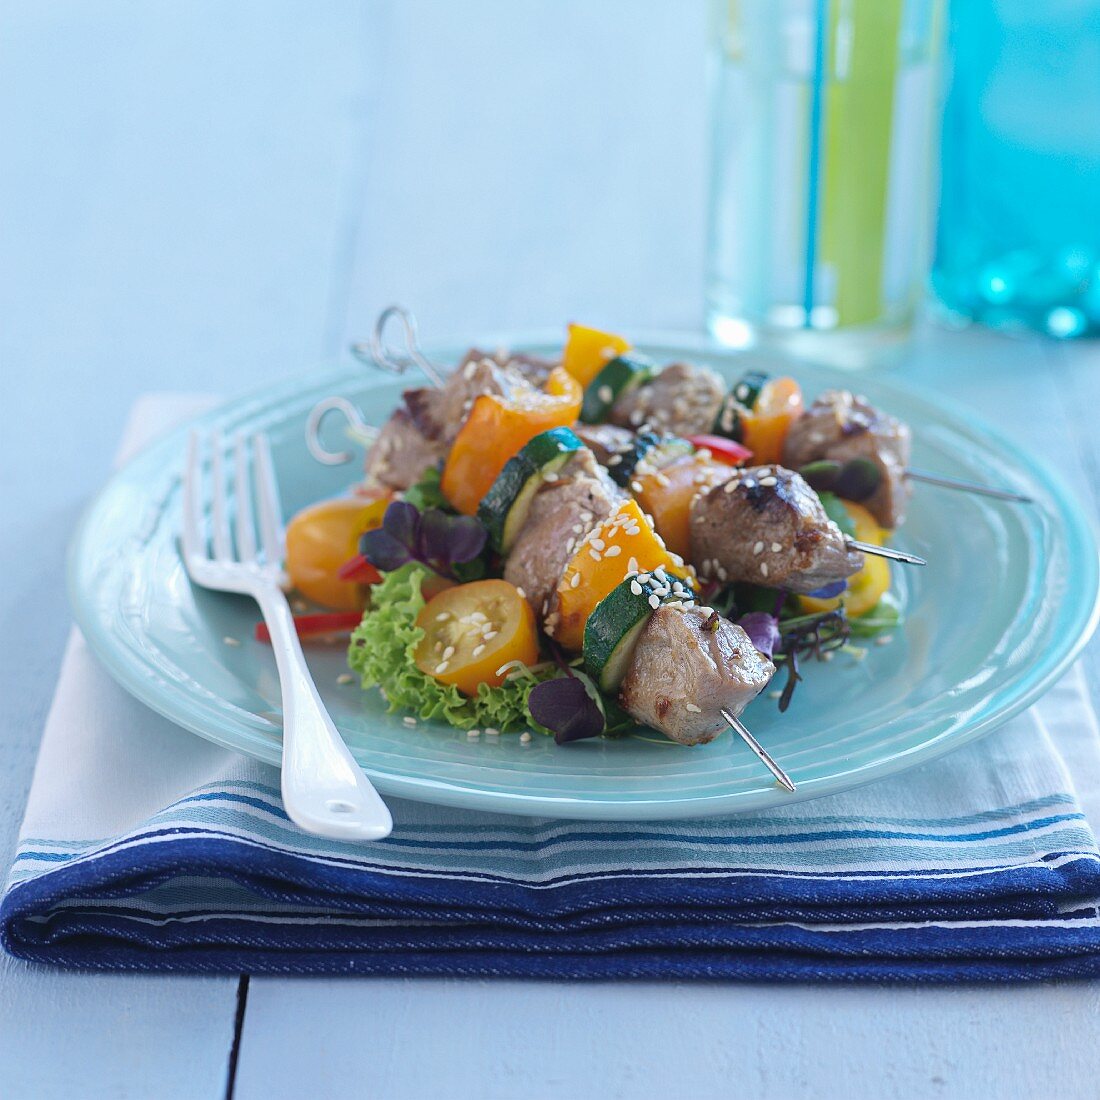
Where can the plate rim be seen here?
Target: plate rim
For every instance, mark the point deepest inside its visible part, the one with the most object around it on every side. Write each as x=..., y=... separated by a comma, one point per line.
x=1081, y=532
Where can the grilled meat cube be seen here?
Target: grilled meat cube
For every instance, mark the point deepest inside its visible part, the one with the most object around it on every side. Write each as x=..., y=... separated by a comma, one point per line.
x=841, y=426
x=561, y=514
x=682, y=399
x=765, y=525
x=686, y=667
x=440, y=413
x=401, y=453
x=604, y=439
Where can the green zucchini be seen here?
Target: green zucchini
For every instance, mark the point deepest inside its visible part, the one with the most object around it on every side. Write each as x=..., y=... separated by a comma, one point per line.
x=504, y=507
x=616, y=623
x=648, y=448
x=741, y=399
x=619, y=377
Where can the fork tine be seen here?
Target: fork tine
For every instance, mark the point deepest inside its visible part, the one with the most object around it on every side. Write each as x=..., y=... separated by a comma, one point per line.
x=194, y=545
x=223, y=544
x=267, y=496
x=242, y=492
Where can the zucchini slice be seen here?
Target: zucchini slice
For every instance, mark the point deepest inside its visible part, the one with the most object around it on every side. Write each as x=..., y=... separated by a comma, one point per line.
x=619, y=377
x=649, y=449
x=504, y=507
x=739, y=401
x=613, y=628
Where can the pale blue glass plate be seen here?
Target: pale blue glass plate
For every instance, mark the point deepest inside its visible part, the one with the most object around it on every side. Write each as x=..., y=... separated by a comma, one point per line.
x=1006, y=602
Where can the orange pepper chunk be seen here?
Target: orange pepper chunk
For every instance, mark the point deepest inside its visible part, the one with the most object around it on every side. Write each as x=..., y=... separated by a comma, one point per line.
x=625, y=541
x=497, y=428
x=764, y=430
x=588, y=351
x=667, y=495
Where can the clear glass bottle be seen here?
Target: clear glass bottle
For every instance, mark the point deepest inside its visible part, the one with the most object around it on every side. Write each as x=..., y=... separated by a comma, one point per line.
x=825, y=117
x=1018, y=244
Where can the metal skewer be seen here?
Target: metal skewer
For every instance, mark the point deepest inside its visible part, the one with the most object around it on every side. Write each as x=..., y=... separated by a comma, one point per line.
x=884, y=552
x=358, y=428
x=966, y=486
x=375, y=351
x=742, y=731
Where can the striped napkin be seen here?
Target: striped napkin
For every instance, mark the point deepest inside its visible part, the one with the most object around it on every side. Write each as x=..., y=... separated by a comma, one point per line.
x=146, y=848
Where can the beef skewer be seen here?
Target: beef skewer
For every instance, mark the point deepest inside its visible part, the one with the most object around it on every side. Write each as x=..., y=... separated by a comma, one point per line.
x=724, y=681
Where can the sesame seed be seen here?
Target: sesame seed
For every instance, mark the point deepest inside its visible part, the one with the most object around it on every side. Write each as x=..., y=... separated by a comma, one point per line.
x=636, y=486
x=523, y=595
x=490, y=732
x=693, y=708
x=441, y=668
x=614, y=460
x=768, y=481
x=345, y=678
x=632, y=565
x=776, y=547
x=763, y=568
x=549, y=475
x=730, y=485
x=605, y=394
x=886, y=639
x=595, y=555
x=477, y=650
x=654, y=601
x=636, y=588
x=442, y=617
x=777, y=694
x=826, y=656
x=613, y=551
x=758, y=548
x=577, y=528
x=448, y=653
x=490, y=634
x=598, y=544
x=524, y=738
x=409, y=720
x=235, y=642
x=473, y=735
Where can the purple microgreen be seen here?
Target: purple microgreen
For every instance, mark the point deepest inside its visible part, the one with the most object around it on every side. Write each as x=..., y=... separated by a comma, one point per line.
x=565, y=708
x=859, y=478
x=382, y=550
x=467, y=539
x=830, y=591
x=433, y=536
x=762, y=629
x=402, y=522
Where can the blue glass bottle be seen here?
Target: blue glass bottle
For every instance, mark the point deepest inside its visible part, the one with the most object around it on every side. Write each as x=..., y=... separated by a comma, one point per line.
x=1018, y=243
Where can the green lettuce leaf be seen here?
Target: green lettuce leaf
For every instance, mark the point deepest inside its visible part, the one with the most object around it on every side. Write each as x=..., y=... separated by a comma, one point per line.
x=382, y=654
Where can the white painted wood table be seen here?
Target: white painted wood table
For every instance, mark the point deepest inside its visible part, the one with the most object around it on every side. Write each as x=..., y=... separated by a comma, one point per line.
x=205, y=196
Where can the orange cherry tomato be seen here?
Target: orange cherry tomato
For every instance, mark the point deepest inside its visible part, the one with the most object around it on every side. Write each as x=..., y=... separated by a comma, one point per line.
x=497, y=428
x=472, y=630
x=588, y=351
x=764, y=430
x=321, y=539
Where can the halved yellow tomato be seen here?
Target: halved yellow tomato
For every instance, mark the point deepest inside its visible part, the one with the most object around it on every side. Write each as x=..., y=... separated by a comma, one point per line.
x=764, y=430
x=866, y=587
x=498, y=428
x=323, y=537
x=588, y=351
x=472, y=630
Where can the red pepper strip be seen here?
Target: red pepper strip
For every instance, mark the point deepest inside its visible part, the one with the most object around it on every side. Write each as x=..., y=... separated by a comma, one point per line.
x=324, y=624
x=724, y=450
x=358, y=570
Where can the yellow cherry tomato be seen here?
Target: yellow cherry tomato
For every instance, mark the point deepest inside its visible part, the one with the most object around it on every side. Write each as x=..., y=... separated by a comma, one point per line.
x=588, y=351
x=866, y=587
x=764, y=430
x=323, y=537
x=497, y=428
x=472, y=630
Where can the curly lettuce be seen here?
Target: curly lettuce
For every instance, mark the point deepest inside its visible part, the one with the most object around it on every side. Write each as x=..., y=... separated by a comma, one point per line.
x=382, y=652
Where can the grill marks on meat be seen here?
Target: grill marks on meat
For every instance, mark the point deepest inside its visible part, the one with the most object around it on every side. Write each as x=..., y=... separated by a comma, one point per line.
x=682, y=674
x=765, y=525
x=421, y=430
x=562, y=513
x=682, y=399
x=841, y=426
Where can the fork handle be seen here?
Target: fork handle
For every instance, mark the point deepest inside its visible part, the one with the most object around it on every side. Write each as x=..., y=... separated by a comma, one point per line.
x=325, y=792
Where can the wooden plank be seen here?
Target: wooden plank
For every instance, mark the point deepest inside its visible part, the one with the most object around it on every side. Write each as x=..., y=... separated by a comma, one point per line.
x=176, y=192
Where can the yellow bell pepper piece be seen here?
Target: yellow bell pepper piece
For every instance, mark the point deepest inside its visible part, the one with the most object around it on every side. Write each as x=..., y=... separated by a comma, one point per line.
x=623, y=543
x=588, y=351
x=866, y=587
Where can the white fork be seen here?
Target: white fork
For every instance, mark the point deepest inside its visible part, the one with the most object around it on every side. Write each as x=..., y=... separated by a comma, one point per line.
x=324, y=791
